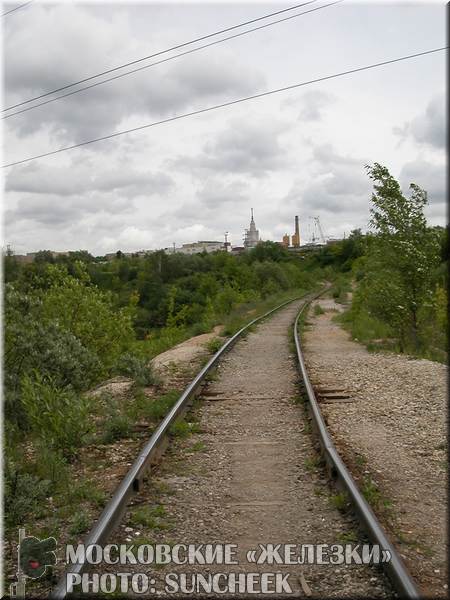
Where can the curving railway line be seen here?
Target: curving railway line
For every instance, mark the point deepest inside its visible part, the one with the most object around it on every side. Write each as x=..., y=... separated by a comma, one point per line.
x=254, y=484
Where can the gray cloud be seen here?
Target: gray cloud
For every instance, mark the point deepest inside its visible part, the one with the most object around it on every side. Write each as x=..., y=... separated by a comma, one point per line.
x=34, y=68
x=42, y=179
x=430, y=177
x=313, y=104
x=250, y=146
x=53, y=210
x=302, y=152
x=428, y=127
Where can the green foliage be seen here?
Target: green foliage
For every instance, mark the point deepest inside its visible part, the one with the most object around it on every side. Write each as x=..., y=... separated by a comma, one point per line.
x=80, y=523
x=117, y=426
x=214, y=344
x=72, y=321
x=151, y=517
x=395, y=296
x=159, y=407
x=318, y=310
x=61, y=414
x=85, y=490
x=51, y=465
x=339, y=501
x=183, y=429
x=87, y=313
x=23, y=494
x=137, y=369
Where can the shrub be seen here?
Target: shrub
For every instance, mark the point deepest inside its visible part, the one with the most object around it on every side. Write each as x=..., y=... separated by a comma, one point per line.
x=117, y=427
x=137, y=369
x=159, y=407
x=214, y=345
x=23, y=494
x=80, y=523
x=61, y=413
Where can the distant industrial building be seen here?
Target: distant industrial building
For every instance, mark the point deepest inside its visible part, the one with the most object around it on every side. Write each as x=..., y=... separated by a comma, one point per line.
x=294, y=241
x=286, y=241
x=201, y=246
x=251, y=237
x=30, y=256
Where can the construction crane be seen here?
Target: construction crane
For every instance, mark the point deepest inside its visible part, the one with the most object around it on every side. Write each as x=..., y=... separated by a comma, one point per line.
x=317, y=228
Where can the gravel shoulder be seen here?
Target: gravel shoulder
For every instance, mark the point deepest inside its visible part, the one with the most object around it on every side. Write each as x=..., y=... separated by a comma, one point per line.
x=391, y=429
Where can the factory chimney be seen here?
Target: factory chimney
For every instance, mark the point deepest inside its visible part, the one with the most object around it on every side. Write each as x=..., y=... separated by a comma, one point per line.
x=296, y=236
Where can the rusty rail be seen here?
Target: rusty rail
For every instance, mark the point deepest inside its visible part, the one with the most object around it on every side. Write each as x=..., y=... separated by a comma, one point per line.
x=395, y=568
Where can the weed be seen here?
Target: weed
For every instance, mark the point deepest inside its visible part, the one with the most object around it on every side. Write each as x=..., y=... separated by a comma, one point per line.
x=80, y=523
x=198, y=447
x=370, y=491
x=88, y=491
x=360, y=460
x=183, y=429
x=347, y=537
x=318, y=310
x=159, y=407
x=300, y=398
x=211, y=376
x=214, y=345
x=339, y=500
x=161, y=487
x=117, y=427
x=311, y=464
x=151, y=517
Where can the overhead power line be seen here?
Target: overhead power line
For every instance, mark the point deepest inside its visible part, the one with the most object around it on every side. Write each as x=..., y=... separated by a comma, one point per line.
x=177, y=47
x=17, y=8
x=236, y=35
x=225, y=104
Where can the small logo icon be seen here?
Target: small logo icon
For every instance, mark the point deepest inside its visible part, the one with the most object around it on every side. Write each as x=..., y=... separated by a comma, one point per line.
x=34, y=556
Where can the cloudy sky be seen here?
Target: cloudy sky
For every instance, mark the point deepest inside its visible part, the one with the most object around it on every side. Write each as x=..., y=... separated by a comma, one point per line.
x=298, y=152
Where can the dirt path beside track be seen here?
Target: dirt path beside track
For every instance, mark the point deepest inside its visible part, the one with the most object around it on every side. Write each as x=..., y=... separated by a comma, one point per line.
x=392, y=431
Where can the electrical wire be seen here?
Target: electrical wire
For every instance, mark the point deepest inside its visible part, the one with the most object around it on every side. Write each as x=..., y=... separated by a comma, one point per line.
x=17, y=8
x=236, y=35
x=225, y=104
x=177, y=47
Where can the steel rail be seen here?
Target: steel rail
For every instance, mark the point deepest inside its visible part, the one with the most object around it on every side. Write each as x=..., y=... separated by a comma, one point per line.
x=395, y=568
x=114, y=510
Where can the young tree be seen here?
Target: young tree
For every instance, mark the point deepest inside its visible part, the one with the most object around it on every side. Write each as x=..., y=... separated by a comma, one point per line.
x=402, y=256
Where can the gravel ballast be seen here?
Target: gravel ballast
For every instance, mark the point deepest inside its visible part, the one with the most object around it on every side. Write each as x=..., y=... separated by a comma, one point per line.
x=391, y=430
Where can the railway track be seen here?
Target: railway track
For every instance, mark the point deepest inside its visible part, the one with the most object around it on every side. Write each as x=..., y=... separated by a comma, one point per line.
x=263, y=500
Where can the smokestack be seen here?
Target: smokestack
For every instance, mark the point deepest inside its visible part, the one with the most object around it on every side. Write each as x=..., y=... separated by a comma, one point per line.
x=296, y=236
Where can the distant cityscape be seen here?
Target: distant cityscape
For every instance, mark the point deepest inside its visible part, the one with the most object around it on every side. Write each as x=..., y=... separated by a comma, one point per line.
x=251, y=240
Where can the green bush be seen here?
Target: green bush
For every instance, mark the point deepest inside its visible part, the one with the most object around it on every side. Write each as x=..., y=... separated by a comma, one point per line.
x=137, y=369
x=51, y=465
x=214, y=344
x=159, y=407
x=80, y=523
x=117, y=427
x=23, y=494
x=60, y=414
